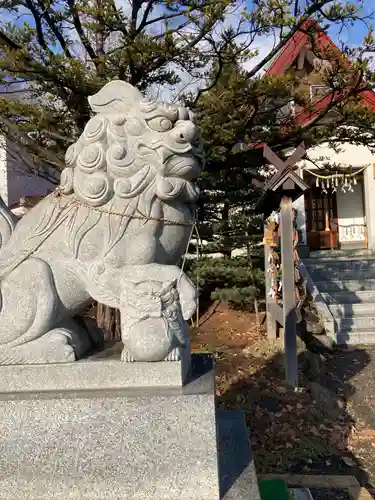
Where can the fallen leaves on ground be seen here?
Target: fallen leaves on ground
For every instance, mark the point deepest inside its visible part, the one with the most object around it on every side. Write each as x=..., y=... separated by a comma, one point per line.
x=285, y=426
x=360, y=434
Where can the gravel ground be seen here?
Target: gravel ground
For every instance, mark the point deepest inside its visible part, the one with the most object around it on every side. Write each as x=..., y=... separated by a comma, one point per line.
x=351, y=372
x=289, y=432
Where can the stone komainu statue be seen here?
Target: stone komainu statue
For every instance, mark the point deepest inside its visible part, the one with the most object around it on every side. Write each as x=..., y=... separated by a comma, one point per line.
x=113, y=231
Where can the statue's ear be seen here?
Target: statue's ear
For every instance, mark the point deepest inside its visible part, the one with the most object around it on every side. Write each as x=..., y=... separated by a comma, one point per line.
x=115, y=97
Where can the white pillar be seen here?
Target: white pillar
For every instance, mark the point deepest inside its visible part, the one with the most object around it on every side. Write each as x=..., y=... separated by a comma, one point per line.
x=369, y=191
x=299, y=206
x=3, y=169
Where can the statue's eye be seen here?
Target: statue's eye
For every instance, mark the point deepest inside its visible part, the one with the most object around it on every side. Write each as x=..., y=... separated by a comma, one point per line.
x=160, y=124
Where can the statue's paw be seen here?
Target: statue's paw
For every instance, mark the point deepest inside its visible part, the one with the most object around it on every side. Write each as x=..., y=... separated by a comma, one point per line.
x=188, y=309
x=188, y=297
x=53, y=347
x=126, y=356
x=174, y=355
x=57, y=346
x=68, y=353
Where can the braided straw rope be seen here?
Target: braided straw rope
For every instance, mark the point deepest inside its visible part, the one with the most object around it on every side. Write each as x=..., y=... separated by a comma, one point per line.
x=57, y=194
x=169, y=222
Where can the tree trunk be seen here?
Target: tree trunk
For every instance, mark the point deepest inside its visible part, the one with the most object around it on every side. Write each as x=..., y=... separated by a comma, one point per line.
x=108, y=319
x=257, y=316
x=226, y=250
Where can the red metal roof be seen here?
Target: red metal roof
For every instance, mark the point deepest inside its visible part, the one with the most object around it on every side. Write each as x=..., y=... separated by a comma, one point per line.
x=288, y=55
x=292, y=48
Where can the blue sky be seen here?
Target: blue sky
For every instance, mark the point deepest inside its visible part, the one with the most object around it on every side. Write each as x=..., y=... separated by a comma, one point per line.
x=349, y=35
x=352, y=35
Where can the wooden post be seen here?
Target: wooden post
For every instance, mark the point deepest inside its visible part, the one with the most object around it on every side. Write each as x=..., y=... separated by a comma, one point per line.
x=289, y=299
x=284, y=182
x=270, y=321
x=109, y=320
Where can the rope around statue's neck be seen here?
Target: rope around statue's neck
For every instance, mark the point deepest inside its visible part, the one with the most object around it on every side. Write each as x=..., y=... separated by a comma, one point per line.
x=191, y=223
x=65, y=213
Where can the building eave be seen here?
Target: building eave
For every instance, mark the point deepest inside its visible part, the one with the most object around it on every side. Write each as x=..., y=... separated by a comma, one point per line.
x=292, y=48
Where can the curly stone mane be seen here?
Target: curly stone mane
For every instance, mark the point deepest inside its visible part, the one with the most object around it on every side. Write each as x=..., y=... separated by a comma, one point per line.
x=131, y=148
x=131, y=152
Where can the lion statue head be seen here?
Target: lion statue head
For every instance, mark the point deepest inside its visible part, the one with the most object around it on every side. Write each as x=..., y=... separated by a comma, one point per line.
x=133, y=147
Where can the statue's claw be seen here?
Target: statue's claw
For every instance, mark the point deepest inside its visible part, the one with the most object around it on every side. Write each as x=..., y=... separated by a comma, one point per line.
x=174, y=355
x=126, y=356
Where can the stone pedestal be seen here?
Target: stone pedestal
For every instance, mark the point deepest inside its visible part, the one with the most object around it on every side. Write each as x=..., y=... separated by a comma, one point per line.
x=103, y=441
x=104, y=370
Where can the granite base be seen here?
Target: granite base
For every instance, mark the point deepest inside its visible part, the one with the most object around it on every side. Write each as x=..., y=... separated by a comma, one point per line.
x=152, y=443
x=103, y=370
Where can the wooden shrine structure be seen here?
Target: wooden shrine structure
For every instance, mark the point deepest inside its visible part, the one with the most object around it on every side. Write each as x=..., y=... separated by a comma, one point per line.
x=284, y=187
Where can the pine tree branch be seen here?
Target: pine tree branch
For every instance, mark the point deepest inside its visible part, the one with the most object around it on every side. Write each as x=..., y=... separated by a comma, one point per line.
x=204, y=32
x=100, y=37
x=220, y=63
x=43, y=152
x=166, y=17
x=32, y=67
x=275, y=50
x=313, y=162
x=143, y=22
x=162, y=60
x=119, y=25
x=5, y=40
x=81, y=33
x=136, y=5
x=38, y=25
x=212, y=84
x=54, y=28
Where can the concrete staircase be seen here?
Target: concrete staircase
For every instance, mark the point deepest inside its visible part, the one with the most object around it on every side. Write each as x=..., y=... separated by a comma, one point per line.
x=346, y=283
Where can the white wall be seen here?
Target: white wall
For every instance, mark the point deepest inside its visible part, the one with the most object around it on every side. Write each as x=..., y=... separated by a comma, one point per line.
x=369, y=189
x=350, y=205
x=299, y=206
x=17, y=178
x=350, y=211
x=20, y=185
x=350, y=154
x=3, y=171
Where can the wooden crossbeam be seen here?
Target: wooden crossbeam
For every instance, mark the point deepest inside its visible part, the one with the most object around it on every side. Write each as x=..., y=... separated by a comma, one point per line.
x=272, y=157
x=280, y=164
x=295, y=157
